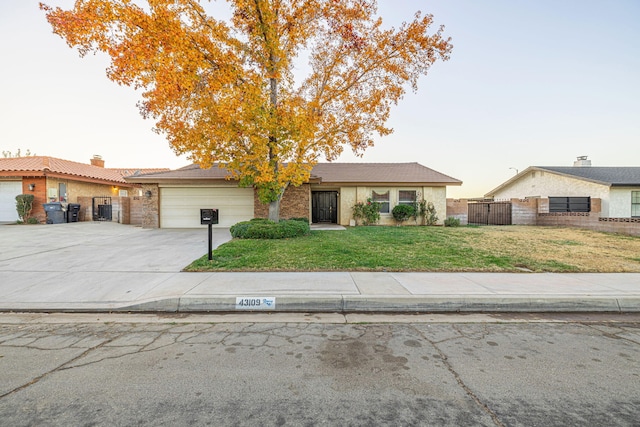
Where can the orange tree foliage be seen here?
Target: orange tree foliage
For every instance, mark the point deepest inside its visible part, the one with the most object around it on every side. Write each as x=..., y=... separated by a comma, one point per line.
x=224, y=91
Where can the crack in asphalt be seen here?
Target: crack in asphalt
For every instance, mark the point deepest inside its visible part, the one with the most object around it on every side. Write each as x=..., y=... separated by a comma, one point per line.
x=51, y=371
x=119, y=341
x=602, y=330
x=456, y=376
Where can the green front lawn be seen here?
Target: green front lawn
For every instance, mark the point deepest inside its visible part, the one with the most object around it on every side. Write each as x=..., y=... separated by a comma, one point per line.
x=423, y=249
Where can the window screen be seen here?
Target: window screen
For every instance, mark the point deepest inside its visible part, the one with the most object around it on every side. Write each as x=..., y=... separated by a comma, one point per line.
x=383, y=199
x=635, y=204
x=569, y=204
x=406, y=197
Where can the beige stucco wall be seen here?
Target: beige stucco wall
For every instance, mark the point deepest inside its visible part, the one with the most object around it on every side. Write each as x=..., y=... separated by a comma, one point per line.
x=77, y=189
x=346, y=199
x=350, y=195
x=545, y=184
x=620, y=202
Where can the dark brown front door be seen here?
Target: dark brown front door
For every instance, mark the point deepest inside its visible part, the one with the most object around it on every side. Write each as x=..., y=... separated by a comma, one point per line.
x=324, y=206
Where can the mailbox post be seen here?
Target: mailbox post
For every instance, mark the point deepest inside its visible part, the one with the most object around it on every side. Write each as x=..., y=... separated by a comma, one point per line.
x=209, y=217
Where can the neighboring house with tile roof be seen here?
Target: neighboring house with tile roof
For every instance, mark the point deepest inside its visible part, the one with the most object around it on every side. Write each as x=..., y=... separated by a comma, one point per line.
x=618, y=188
x=51, y=179
x=173, y=199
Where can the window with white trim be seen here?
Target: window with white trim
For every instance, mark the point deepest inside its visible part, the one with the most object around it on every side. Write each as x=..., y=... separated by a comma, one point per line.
x=407, y=197
x=635, y=204
x=382, y=198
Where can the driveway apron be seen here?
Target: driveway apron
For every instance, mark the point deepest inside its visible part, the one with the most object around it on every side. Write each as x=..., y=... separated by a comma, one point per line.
x=93, y=261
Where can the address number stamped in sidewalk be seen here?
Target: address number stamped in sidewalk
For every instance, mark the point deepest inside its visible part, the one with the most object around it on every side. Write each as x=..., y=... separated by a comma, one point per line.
x=255, y=303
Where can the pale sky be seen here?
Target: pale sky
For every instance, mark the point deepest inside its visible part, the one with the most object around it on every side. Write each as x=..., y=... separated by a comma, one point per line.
x=528, y=83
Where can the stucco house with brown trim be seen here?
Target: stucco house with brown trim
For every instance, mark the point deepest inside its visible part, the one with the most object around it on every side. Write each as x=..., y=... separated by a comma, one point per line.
x=618, y=188
x=173, y=199
x=51, y=179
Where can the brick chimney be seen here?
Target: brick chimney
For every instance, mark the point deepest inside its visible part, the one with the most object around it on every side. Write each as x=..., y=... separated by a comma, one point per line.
x=582, y=162
x=97, y=161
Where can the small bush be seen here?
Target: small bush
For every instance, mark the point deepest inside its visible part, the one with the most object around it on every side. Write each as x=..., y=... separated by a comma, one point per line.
x=24, y=205
x=261, y=228
x=32, y=220
x=452, y=222
x=301, y=219
x=254, y=220
x=368, y=212
x=402, y=213
x=239, y=230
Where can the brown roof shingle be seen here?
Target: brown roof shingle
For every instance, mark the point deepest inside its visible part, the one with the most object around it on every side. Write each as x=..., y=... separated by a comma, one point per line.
x=383, y=173
x=365, y=173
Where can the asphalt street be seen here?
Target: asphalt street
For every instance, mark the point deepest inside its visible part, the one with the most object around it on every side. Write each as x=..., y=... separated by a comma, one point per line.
x=466, y=370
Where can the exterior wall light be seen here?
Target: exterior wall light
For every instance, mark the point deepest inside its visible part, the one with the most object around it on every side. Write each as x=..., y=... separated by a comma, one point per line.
x=147, y=193
x=32, y=186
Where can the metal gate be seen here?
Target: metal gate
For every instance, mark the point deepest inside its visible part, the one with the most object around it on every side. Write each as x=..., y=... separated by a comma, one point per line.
x=489, y=213
x=102, y=208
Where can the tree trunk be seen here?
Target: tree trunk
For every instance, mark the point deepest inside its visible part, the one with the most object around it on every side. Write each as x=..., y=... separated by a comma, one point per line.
x=274, y=207
x=274, y=210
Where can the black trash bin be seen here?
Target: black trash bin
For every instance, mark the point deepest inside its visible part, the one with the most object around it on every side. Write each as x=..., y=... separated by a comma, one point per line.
x=55, y=214
x=73, y=212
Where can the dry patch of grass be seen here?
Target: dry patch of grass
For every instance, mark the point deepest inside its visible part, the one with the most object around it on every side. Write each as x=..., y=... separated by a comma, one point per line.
x=588, y=251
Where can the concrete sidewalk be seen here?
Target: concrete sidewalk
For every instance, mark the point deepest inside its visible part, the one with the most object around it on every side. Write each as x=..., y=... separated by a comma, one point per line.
x=93, y=267
x=341, y=292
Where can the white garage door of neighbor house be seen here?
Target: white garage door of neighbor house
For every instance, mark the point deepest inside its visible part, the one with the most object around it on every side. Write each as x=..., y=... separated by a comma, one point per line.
x=180, y=206
x=8, y=192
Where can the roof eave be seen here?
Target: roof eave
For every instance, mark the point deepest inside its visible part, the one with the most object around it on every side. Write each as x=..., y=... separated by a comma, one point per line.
x=391, y=184
x=510, y=181
x=176, y=180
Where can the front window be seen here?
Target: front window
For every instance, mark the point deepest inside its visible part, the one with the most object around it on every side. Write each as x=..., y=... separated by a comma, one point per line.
x=569, y=204
x=407, y=197
x=383, y=199
x=62, y=191
x=635, y=204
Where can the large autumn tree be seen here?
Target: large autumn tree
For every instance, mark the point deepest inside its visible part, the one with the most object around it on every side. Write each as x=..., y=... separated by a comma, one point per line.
x=225, y=91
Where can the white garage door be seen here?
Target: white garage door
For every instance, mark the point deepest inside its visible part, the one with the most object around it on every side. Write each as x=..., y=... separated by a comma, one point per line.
x=8, y=192
x=180, y=206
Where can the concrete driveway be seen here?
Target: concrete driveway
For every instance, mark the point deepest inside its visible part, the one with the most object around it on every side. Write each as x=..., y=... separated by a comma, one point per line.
x=101, y=247
x=104, y=267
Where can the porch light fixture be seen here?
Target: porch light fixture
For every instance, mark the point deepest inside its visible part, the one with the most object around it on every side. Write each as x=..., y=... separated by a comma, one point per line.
x=32, y=186
x=147, y=193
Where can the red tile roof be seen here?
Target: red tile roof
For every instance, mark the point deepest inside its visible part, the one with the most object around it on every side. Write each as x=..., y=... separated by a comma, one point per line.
x=186, y=173
x=44, y=165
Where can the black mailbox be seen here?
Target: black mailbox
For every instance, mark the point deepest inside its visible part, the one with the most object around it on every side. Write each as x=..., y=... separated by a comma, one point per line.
x=208, y=216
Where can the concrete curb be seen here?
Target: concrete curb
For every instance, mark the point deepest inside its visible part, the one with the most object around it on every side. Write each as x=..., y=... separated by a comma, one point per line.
x=355, y=304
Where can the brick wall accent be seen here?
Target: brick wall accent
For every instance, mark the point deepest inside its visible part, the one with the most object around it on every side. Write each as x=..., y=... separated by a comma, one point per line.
x=457, y=208
x=150, y=206
x=295, y=203
x=135, y=210
x=536, y=212
x=86, y=208
x=524, y=211
x=39, y=196
x=124, y=210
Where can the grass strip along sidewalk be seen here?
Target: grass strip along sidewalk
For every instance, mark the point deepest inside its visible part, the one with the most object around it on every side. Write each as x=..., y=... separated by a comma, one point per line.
x=482, y=249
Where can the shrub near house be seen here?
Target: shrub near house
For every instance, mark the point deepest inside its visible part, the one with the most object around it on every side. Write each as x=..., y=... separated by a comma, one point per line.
x=24, y=206
x=402, y=213
x=261, y=228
